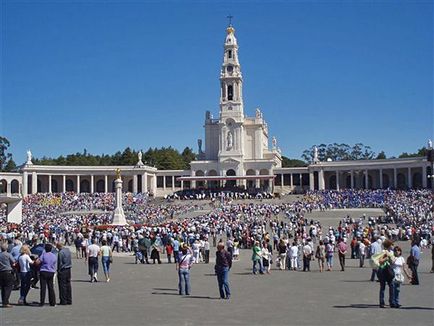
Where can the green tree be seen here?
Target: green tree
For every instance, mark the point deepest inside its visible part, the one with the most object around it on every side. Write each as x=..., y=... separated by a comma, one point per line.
x=339, y=152
x=292, y=163
x=188, y=155
x=10, y=165
x=4, y=156
x=381, y=156
x=421, y=152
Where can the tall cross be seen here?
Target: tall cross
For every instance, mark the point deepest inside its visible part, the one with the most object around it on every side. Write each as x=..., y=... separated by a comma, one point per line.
x=230, y=19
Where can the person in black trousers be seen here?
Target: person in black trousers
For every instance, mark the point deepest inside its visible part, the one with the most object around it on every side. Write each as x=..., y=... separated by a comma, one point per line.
x=6, y=276
x=64, y=265
x=48, y=268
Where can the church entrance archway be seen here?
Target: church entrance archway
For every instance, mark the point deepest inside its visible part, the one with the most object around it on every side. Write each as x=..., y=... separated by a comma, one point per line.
x=265, y=183
x=251, y=184
x=230, y=183
x=15, y=187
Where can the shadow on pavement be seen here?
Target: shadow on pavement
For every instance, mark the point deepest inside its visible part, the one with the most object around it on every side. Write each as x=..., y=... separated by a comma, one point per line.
x=165, y=293
x=164, y=289
x=365, y=306
x=356, y=281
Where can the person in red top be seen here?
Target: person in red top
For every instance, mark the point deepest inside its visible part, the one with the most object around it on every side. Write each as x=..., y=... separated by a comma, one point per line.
x=342, y=250
x=169, y=252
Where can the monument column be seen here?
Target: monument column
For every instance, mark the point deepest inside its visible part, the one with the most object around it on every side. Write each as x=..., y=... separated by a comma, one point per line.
x=78, y=184
x=34, y=183
x=106, y=184
x=91, y=184
x=118, y=214
x=182, y=185
x=381, y=178
x=64, y=183
x=49, y=183
x=424, y=177
x=26, y=184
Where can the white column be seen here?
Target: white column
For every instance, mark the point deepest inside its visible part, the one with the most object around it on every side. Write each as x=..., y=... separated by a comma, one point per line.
x=135, y=189
x=144, y=183
x=91, y=184
x=154, y=185
x=78, y=184
x=26, y=183
x=257, y=181
x=8, y=189
x=311, y=181
x=352, y=179
x=173, y=183
x=49, y=183
x=410, y=181
x=182, y=185
x=291, y=183
x=34, y=183
x=193, y=183
x=301, y=181
x=164, y=182
x=281, y=179
x=64, y=183
x=424, y=177
x=395, y=179
x=321, y=182
x=106, y=184
x=337, y=180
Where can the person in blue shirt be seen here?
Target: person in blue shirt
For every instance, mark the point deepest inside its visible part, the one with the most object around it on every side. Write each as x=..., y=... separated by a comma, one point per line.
x=175, y=244
x=414, y=261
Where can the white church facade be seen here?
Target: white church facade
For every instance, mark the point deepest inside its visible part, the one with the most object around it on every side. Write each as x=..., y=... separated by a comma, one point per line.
x=236, y=154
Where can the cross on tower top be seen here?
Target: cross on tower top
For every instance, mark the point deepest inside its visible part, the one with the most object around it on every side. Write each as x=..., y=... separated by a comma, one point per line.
x=230, y=19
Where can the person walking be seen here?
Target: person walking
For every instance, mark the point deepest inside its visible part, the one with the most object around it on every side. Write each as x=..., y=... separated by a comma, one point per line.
x=183, y=267
x=222, y=267
x=320, y=254
x=414, y=261
x=25, y=273
x=93, y=251
x=282, y=254
x=64, y=265
x=6, y=276
x=48, y=268
x=106, y=259
x=342, y=250
x=374, y=250
x=294, y=256
x=256, y=258
x=307, y=256
x=330, y=249
x=385, y=262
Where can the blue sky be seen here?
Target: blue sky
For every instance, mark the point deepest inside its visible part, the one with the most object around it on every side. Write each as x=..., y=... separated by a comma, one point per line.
x=107, y=75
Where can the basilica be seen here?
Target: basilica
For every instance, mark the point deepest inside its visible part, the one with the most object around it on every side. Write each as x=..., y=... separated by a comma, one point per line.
x=235, y=154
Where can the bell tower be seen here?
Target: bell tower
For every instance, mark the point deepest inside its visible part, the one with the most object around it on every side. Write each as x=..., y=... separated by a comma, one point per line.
x=231, y=81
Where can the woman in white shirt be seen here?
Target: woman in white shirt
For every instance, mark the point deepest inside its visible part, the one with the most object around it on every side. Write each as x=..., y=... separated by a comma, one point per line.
x=399, y=268
x=25, y=273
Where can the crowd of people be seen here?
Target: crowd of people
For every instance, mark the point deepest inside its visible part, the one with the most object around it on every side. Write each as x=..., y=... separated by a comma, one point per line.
x=276, y=232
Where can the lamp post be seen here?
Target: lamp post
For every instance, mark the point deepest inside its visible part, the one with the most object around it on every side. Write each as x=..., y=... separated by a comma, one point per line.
x=430, y=158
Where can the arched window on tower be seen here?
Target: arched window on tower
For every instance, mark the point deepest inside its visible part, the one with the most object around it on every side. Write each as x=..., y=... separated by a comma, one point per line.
x=230, y=93
x=229, y=54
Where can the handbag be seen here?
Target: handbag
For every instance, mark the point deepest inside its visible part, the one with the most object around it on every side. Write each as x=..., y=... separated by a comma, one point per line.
x=399, y=278
x=111, y=259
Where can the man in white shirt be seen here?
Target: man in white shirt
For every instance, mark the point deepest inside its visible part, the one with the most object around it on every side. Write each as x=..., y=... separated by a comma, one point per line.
x=93, y=252
x=307, y=255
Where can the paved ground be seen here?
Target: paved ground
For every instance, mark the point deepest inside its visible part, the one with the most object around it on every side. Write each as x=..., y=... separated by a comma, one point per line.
x=147, y=295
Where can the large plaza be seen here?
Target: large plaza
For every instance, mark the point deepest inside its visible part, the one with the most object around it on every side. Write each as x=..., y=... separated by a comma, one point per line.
x=147, y=295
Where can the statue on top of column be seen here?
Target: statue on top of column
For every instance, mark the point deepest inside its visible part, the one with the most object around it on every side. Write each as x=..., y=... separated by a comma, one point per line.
x=315, y=154
x=274, y=142
x=429, y=144
x=118, y=173
x=258, y=113
x=29, y=157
